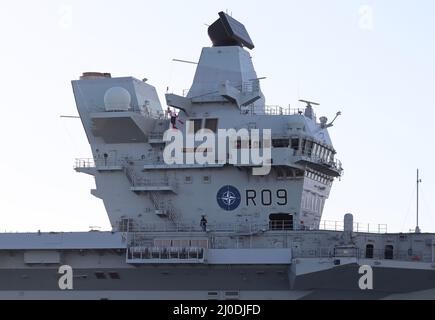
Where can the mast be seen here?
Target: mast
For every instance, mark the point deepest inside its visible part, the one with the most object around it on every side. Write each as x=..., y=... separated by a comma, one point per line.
x=417, y=228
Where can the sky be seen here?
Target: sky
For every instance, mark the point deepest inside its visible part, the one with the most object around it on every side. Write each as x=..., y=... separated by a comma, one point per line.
x=372, y=60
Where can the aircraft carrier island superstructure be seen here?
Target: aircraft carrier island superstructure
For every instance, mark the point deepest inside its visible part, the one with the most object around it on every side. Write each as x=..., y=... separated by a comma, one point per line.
x=224, y=229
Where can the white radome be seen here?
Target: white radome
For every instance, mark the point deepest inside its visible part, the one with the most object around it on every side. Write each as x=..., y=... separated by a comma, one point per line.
x=117, y=99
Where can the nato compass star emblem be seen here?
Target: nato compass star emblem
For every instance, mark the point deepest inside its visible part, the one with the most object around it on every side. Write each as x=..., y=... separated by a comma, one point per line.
x=228, y=198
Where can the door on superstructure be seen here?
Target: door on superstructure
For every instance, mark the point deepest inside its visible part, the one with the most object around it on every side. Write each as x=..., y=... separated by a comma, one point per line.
x=112, y=158
x=389, y=252
x=369, y=251
x=280, y=221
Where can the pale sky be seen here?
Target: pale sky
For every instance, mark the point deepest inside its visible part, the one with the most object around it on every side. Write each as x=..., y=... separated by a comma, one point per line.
x=372, y=60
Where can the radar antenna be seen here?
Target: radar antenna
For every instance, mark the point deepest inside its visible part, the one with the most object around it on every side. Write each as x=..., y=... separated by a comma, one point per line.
x=309, y=108
x=310, y=103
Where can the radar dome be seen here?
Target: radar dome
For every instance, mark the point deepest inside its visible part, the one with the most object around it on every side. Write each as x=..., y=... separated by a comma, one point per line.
x=117, y=99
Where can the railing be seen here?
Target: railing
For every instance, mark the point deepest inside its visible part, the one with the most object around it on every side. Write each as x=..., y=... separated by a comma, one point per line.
x=84, y=163
x=274, y=111
x=250, y=86
x=329, y=225
x=280, y=225
x=335, y=164
x=399, y=255
x=276, y=225
x=156, y=136
x=95, y=163
x=160, y=253
x=144, y=182
x=184, y=227
x=142, y=109
x=321, y=252
x=355, y=252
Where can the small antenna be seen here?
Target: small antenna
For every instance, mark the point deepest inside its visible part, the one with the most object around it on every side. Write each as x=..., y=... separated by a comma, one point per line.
x=417, y=228
x=70, y=117
x=261, y=78
x=184, y=61
x=309, y=103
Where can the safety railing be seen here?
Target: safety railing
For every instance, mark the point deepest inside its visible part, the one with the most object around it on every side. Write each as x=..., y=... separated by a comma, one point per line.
x=162, y=253
x=360, y=253
x=274, y=110
x=246, y=228
x=321, y=252
x=330, y=225
x=333, y=164
x=275, y=225
x=185, y=227
x=389, y=253
x=156, y=135
x=145, y=110
x=85, y=163
x=250, y=86
x=144, y=182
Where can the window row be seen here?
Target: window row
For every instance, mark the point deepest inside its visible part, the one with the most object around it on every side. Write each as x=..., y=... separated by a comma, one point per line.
x=312, y=149
x=312, y=202
x=198, y=124
x=324, y=179
x=189, y=179
x=388, y=252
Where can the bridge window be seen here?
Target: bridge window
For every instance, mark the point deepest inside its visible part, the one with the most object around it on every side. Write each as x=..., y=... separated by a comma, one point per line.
x=280, y=143
x=369, y=251
x=211, y=124
x=197, y=124
x=100, y=275
x=322, y=152
x=389, y=252
x=114, y=275
x=295, y=144
x=280, y=221
x=125, y=225
x=244, y=144
x=308, y=148
x=328, y=155
x=315, y=150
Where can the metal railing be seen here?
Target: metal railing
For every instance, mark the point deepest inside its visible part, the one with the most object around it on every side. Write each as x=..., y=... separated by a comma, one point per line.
x=185, y=227
x=280, y=225
x=248, y=228
x=398, y=255
x=335, y=163
x=142, y=109
x=329, y=225
x=145, y=182
x=84, y=163
x=250, y=86
x=95, y=163
x=161, y=253
x=359, y=253
x=321, y=252
x=253, y=228
x=156, y=135
x=274, y=110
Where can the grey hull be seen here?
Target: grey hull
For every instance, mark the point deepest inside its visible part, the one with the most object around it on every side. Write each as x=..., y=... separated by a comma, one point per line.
x=198, y=282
